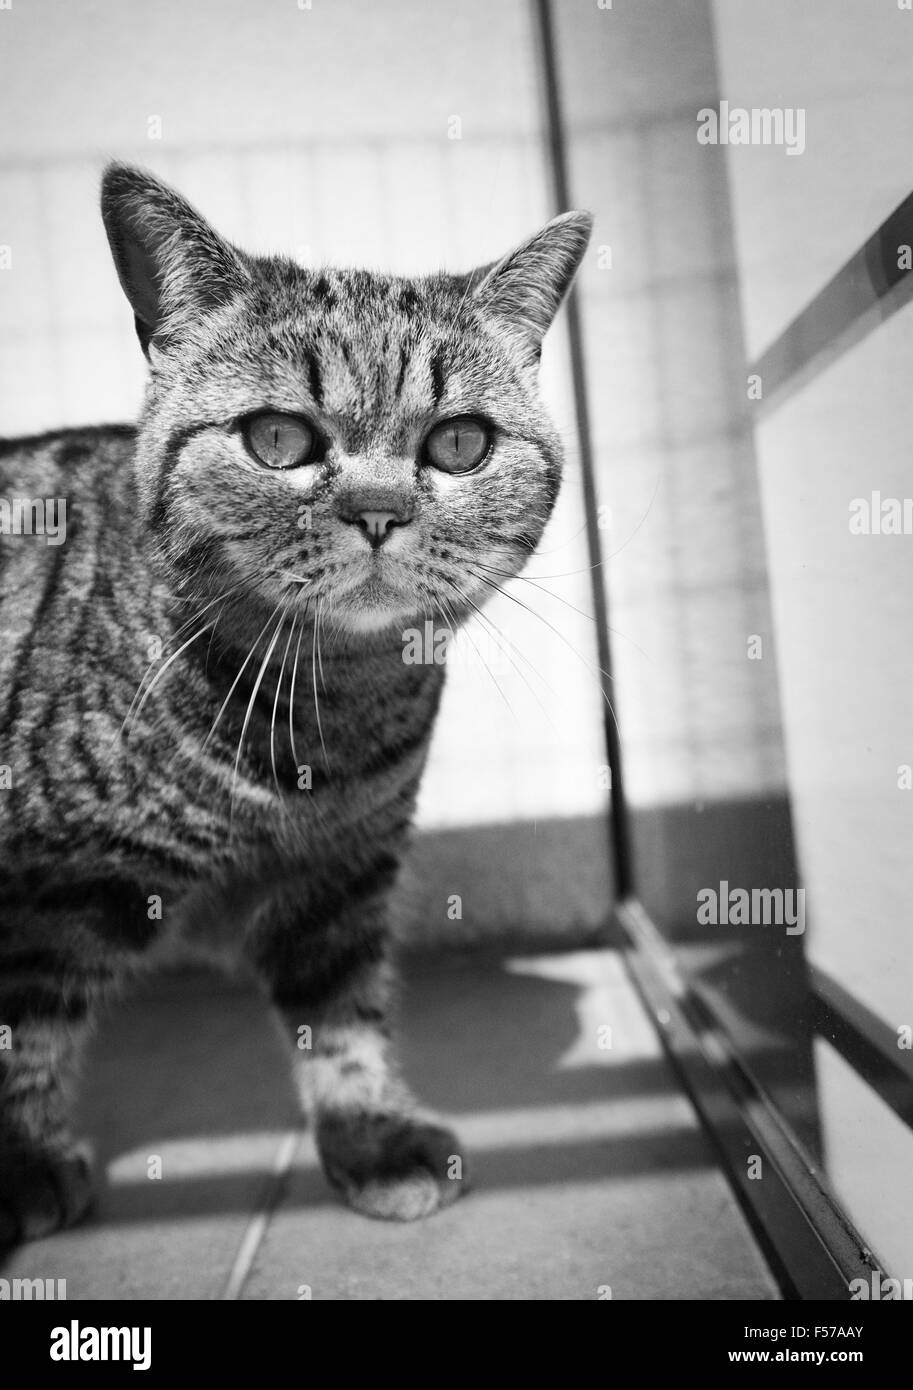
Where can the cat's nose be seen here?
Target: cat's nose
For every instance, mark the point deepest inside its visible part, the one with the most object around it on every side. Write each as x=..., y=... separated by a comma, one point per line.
x=377, y=526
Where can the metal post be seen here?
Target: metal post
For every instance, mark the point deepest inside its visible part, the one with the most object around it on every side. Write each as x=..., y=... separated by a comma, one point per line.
x=619, y=822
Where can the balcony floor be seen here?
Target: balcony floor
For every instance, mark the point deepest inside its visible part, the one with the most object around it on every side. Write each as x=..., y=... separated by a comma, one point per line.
x=590, y=1170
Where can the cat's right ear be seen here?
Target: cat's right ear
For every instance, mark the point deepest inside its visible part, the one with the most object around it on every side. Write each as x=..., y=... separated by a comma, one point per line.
x=172, y=265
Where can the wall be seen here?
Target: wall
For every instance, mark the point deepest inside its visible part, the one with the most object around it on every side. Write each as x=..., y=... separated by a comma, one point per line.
x=841, y=602
x=685, y=573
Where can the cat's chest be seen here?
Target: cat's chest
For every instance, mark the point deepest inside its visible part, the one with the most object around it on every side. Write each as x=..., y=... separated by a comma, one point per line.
x=339, y=722
x=212, y=782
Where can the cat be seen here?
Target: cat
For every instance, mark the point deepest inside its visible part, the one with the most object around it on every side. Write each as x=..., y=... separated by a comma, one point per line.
x=209, y=730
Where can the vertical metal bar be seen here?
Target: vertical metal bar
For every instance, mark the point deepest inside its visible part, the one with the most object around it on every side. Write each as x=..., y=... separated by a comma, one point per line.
x=619, y=822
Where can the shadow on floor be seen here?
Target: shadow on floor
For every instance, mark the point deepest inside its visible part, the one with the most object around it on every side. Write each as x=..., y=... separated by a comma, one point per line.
x=189, y=1078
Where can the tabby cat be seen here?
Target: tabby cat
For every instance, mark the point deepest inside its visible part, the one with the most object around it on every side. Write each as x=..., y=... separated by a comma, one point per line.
x=209, y=729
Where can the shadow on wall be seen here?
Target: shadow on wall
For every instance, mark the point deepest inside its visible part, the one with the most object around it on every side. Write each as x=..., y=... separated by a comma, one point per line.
x=544, y=880
x=752, y=976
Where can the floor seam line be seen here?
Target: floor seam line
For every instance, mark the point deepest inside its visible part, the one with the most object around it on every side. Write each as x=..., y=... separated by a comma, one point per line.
x=259, y=1222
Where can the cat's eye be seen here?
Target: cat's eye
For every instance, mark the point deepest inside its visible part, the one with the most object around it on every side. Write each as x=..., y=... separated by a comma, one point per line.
x=281, y=441
x=458, y=445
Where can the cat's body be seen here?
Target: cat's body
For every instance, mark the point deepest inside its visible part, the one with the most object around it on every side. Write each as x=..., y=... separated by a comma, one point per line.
x=211, y=730
x=105, y=794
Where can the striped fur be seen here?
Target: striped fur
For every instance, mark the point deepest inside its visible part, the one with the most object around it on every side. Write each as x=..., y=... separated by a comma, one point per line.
x=205, y=702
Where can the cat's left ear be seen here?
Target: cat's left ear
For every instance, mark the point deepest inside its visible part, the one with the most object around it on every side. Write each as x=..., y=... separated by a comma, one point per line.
x=527, y=286
x=173, y=267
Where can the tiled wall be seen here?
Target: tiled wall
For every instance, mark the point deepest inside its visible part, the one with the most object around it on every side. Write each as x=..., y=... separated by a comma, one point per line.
x=685, y=572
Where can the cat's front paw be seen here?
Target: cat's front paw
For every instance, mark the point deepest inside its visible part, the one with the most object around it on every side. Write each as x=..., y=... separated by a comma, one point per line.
x=43, y=1190
x=391, y=1166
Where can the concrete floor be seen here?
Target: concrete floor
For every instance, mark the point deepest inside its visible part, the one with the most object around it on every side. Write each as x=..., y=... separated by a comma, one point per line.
x=590, y=1170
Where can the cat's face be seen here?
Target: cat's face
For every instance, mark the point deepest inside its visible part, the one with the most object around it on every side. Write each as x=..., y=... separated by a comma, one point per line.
x=367, y=448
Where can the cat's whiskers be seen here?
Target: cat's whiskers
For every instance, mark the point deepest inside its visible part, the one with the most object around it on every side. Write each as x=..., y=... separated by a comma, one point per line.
x=297, y=621
x=319, y=654
x=594, y=670
x=250, y=704
x=291, y=698
x=314, y=646
x=510, y=554
x=554, y=549
x=507, y=574
x=219, y=598
x=600, y=564
x=453, y=622
x=131, y=717
x=224, y=705
x=526, y=579
x=272, y=722
x=500, y=636
x=158, y=670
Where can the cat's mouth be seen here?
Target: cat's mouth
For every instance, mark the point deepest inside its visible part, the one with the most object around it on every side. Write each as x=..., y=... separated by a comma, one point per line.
x=362, y=599
x=372, y=607
x=377, y=590
x=381, y=594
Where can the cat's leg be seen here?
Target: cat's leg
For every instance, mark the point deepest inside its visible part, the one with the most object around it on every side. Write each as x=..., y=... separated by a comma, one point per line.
x=332, y=987
x=55, y=962
x=46, y=1178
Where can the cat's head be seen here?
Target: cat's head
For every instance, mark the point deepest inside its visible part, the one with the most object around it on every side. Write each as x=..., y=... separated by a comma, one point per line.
x=362, y=446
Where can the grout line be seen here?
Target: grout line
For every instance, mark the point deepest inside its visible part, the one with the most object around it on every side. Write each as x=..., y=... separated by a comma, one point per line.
x=259, y=1223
